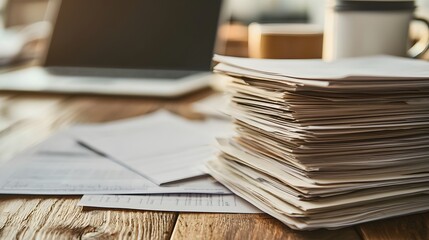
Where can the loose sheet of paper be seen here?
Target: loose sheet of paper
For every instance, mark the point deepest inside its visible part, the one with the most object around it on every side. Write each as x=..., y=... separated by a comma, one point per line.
x=161, y=146
x=60, y=166
x=172, y=202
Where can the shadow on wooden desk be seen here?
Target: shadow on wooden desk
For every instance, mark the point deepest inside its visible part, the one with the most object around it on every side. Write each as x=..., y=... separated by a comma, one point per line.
x=34, y=117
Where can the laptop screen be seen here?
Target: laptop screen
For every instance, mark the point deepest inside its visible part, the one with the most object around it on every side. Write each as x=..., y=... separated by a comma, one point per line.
x=138, y=34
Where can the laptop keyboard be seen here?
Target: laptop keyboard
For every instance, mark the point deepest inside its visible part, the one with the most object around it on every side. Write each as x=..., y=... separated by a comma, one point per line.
x=121, y=73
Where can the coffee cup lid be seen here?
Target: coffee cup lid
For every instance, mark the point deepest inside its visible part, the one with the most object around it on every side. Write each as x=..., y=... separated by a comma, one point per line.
x=365, y=5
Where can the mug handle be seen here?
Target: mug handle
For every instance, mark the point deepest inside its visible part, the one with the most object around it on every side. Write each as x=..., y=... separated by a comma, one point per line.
x=421, y=46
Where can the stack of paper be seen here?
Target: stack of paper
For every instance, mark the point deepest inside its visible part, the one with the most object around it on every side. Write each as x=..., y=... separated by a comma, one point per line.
x=327, y=145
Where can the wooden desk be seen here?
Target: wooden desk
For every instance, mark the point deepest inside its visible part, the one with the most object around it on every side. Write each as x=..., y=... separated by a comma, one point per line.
x=34, y=117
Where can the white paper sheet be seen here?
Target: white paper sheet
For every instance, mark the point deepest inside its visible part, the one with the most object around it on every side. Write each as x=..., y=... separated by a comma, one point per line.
x=382, y=67
x=172, y=202
x=161, y=146
x=60, y=166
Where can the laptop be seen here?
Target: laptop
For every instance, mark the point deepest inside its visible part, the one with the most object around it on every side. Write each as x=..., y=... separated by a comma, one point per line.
x=130, y=47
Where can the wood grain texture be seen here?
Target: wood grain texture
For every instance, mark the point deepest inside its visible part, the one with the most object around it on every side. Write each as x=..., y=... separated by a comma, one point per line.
x=104, y=109
x=247, y=226
x=414, y=227
x=60, y=218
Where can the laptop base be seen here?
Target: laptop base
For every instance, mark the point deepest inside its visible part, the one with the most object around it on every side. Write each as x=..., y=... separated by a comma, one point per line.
x=39, y=79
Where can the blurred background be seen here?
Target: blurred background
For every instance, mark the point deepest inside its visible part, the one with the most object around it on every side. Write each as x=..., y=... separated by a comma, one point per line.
x=19, y=34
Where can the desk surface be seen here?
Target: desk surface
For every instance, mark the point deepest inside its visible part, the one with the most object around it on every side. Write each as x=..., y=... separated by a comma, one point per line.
x=31, y=118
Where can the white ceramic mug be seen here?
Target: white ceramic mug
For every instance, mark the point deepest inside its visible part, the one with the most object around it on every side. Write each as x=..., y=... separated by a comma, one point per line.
x=360, y=28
